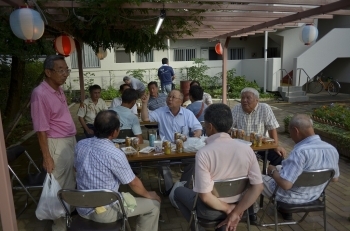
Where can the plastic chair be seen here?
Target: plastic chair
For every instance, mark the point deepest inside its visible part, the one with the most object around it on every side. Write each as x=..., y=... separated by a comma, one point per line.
x=31, y=181
x=91, y=199
x=306, y=179
x=222, y=188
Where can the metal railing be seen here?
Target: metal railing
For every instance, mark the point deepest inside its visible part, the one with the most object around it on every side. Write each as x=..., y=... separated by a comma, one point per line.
x=308, y=79
x=289, y=78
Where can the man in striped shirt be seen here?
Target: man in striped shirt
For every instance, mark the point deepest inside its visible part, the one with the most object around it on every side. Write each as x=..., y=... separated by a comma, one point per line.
x=252, y=116
x=309, y=153
x=100, y=165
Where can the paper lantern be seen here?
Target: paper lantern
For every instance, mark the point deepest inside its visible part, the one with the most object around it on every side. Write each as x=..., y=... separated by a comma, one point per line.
x=27, y=24
x=308, y=34
x=64, y=45
x=218, y=49
x=101, y=54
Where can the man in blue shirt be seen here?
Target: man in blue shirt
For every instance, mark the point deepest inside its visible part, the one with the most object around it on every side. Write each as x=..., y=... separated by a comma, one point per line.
x=197, y=105
x=156, y=99
x=166, y=76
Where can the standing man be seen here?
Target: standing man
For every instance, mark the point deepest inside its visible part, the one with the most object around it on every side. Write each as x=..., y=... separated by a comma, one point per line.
x=128, y=120
x=166, y=76
x=91, y=107
x=222, y=158
x=309, y=153
x=54, y=126
x=156, y=99
x=100, y=165
x=135, y=84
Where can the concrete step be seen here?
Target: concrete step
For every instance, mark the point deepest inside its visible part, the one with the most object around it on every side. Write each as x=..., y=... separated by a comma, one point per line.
x=293, y=99
x=293, y=93
x=291, y=88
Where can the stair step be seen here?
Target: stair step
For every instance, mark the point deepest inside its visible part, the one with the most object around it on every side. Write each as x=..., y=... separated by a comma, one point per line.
x=293, y=93
x=293, y=99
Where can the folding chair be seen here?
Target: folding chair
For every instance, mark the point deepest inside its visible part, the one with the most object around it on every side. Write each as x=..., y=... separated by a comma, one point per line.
x=91, y=199
x=31, y=181
x=222, y=188
x=306, y=179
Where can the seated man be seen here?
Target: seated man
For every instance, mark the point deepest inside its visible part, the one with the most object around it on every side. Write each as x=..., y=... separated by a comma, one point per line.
x=206, y=96
x=309, y=153
x=100, y=165
x=222, y=158
x=172, y=118
x=156, y=99
x=89, y=109
x=197, y=105
x=135, y=84
x=252, y=116
x=118, y=101
x=128, y=120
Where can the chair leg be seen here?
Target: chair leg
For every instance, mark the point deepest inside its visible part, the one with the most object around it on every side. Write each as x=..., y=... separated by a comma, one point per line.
x=248, y=220
x=276, y=215
x=325, y=218
x=159, y=182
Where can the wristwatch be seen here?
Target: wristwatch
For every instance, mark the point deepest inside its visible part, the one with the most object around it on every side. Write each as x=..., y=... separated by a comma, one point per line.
x=272, y=172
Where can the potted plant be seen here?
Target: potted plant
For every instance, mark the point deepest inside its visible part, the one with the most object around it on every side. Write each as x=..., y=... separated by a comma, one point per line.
x=286, y=121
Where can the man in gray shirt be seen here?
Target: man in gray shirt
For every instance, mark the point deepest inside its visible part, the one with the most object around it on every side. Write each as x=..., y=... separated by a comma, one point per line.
x=156, y=99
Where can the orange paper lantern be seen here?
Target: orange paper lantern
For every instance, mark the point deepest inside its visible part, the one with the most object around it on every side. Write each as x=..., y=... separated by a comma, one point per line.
x=64, y=45
x=218, y=49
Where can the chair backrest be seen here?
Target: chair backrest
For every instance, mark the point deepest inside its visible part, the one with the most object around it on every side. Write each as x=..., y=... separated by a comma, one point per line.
x=88, y=198
x=125, y=133
x=14, y=152
x=230, y=187
x=314, y=178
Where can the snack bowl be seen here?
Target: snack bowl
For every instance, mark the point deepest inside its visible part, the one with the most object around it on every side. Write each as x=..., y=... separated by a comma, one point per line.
x=129, y=151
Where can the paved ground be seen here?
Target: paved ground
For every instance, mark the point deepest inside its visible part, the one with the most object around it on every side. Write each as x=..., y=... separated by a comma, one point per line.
x=338, y=207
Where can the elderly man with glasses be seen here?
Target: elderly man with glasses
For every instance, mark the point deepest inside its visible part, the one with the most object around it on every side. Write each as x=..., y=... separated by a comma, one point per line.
x=172, y=118
x=54, y=126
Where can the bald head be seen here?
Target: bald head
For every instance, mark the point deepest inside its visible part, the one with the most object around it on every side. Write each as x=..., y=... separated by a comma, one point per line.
x=301, y=127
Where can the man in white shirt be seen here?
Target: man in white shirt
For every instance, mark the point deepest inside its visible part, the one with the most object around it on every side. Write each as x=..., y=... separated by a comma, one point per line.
x=118, y=101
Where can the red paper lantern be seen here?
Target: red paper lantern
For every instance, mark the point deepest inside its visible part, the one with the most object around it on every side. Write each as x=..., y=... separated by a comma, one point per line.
x=64, y=45
x=218, y=49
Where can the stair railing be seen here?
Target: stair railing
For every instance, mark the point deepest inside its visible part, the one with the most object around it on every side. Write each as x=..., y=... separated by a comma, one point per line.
x=289, y=78
x=308, y=79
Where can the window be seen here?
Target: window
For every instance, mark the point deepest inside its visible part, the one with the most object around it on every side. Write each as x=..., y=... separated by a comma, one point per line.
x=236, y=53
x=122, y=57
x=90, y=59
x=213, y=55
x=184, y=54
x=141, y=58
x=271, y=52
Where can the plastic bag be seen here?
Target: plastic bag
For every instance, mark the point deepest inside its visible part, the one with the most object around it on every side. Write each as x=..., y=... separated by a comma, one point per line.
x=193, y=144
x=50, y=207
x=171, y=195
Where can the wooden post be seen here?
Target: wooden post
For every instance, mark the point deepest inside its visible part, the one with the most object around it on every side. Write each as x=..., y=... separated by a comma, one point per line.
x=224, y=70
x=7, y=208
x=80, y=68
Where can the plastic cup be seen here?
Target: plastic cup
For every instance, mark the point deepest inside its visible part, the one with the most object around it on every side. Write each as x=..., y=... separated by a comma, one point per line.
x=158, y=146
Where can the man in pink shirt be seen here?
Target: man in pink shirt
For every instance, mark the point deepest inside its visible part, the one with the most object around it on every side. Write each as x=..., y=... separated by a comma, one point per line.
x=222, y=158
x=54, y=125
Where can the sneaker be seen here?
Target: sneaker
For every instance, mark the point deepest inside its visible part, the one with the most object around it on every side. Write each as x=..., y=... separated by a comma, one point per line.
x=286, y=216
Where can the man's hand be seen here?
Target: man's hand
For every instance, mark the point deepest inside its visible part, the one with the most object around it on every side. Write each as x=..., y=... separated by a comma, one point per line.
x=154, y=196
x=90, y=131
x=231, y=221
x=281, y=151
x=48, y=164
x=145, y=98
x=270, y=168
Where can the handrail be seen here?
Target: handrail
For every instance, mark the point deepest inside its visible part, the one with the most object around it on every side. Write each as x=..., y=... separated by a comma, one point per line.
x=308, y=78
x=289, y=78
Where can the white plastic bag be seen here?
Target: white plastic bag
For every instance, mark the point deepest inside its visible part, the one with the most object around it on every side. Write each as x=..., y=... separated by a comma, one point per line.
x=50, y=207
x=193, y=144
x=171, y=195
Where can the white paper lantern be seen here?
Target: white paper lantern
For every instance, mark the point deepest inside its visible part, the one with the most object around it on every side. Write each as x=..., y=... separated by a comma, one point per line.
x=101, y=54
x=308, y=34
x=27, y=24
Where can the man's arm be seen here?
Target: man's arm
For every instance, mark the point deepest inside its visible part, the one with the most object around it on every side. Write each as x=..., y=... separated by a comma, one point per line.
x=137, y=186
x=140, y=138
x=197, y=133
x=282, y=183
x=87, y=129
x=48, y=163
x=246, y=201
x=144, y=109
x=213, y=202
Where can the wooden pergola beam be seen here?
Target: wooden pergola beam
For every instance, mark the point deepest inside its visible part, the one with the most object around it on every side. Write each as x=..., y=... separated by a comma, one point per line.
x=305, y=14
x=14, y=3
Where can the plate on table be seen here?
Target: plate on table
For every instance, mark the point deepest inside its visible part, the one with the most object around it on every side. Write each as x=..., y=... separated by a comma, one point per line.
x=147, y=150
x=244, y=142
x=118, y=141
x=129, y=150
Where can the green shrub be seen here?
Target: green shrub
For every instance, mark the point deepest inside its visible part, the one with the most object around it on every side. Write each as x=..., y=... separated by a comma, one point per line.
x=335, y=113
x=110, y=93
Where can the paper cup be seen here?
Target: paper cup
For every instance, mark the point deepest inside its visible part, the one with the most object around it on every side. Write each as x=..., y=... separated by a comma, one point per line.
x=158, y=146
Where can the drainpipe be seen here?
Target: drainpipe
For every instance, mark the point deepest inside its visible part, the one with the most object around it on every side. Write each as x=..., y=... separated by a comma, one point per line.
x=265, y=60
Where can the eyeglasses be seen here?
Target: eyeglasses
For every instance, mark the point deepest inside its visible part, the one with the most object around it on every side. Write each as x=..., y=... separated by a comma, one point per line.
x=172, y=97
x=62, y=72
